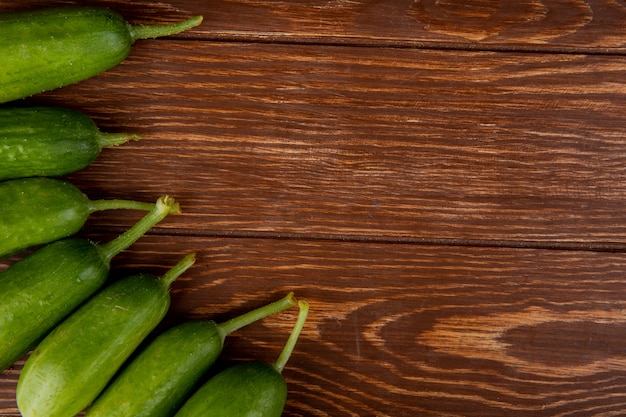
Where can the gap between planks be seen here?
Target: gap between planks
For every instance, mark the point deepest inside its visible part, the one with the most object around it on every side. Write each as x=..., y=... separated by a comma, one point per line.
x=611, y=247
x=382, y=43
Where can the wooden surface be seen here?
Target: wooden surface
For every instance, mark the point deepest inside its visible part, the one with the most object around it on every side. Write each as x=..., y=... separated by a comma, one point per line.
x=444, y=181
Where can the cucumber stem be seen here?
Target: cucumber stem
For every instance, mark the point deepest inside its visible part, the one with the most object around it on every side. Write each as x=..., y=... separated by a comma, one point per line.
x=100, y=205
x=184, y=264
x=234, y=324
x=164, y=206
x=157, y=31
x=106, y=140
x=284, y=356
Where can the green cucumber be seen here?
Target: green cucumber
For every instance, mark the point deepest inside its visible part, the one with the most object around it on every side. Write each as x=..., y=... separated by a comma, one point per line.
x=73, y=364
x=161, y=377
x=37, y=292
x=50, y=141
x=49, y=48
x=251, y=388
x=36, y=211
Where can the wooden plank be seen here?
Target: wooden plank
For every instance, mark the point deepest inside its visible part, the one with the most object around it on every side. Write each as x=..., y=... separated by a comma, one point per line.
x=339, y=142
x=405, y=330
x=398, y=189
x=548, y=25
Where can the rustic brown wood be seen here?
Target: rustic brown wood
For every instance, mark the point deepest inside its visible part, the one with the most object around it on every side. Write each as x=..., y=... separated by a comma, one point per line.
x=443, y=181
x=571, y=25
x=340, y=141
x=405, y=330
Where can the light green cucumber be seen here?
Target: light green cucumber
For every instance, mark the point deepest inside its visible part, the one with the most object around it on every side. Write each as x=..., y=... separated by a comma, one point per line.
x=161, y=377
x=50, y=141
x=39, y=291
x=36, y=211
x=72, y=364
x=48, y=48
x=251, y=388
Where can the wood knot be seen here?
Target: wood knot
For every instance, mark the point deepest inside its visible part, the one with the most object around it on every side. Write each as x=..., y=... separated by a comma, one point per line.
x=536, y=340
x=478, y=20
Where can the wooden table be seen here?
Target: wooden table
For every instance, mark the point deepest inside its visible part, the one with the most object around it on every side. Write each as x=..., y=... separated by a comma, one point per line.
x=443, y=181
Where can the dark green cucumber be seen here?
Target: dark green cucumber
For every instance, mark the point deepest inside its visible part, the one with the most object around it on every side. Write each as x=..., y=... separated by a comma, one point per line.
x=35, y=211
x=37, y=292
x=50, y=141
x=72, y=364
x=171, y=366
x=49, y=48
x=251, y=388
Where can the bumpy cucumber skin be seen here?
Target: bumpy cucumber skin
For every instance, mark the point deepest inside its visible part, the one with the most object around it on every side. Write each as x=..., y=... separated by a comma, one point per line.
x=73, y=364
x=246, y=389
x=37, y=292
x=163, y=375
x=45, y=141
x=36, y=211
x=49, y=48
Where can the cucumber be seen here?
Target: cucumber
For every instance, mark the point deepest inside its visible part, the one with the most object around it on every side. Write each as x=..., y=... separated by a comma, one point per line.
x=36, y=211
x=251, y=388
x=50, y=141
x=161, y=377
x=48, y=48
x=71, y=365
x=37, y=292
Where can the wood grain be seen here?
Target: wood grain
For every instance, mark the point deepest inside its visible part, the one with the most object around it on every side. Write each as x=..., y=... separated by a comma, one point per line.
x=339, y=142
x=443, y=181
x=405, y=330
x=547, y=25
